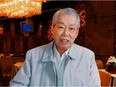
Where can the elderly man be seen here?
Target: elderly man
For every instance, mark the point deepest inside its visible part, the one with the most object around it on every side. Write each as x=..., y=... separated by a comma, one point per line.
x=61, y=62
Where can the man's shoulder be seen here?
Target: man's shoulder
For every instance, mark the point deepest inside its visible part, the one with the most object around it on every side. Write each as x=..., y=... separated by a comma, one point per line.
x=82, y=48
x=78, y=51
x=41, y=48
x=38, y=48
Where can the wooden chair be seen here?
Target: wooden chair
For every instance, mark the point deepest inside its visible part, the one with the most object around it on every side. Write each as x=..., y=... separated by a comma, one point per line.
x=99, y=64
x=105, y=78
x=6, y=64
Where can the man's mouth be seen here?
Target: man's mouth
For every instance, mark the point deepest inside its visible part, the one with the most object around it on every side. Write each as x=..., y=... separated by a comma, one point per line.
x=64, y=40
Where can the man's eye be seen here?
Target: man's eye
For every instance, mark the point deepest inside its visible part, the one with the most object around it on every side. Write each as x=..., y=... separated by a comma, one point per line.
x=71, y=28
x=61, y=27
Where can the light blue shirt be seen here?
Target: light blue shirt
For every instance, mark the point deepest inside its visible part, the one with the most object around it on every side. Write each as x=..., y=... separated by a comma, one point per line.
x=60, y=65
x=39, y=68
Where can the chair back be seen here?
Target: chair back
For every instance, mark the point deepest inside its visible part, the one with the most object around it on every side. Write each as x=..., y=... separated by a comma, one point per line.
x=105, y=78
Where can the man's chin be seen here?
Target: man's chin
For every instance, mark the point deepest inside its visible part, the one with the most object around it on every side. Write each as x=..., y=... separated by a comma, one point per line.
x=66, y=47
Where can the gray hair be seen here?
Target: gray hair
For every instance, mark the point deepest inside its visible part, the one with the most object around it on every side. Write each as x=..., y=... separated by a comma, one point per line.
x=69, y=11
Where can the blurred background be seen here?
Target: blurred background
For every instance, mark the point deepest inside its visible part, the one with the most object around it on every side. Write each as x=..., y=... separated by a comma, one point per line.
x=19, y=33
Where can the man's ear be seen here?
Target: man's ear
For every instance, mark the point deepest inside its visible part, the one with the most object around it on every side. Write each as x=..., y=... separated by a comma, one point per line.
x=51, y=28
x=77, y=33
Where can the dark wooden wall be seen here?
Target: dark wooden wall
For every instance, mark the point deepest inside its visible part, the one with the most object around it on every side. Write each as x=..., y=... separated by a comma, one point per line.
x=13, y=40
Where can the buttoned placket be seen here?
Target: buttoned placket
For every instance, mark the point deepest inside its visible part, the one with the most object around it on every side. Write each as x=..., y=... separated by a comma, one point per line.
x=60, y=62
x=60, y=71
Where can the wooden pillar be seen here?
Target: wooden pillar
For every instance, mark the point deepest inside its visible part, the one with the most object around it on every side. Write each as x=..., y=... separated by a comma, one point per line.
x=25, y=43
x=1, y=37
x=12, y=40
x=6, y=35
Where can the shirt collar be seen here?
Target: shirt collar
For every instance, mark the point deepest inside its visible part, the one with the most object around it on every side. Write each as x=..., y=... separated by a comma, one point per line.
x=57, y=54
x=73, y=52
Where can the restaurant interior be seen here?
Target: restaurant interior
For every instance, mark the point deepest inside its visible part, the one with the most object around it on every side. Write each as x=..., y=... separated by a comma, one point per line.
x=97, y=32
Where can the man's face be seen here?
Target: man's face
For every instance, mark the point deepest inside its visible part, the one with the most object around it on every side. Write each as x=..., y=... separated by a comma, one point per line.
x=65, y=31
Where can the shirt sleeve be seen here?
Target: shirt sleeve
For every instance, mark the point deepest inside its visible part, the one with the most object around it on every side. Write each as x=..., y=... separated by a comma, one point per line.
x=94, y=80
x=23, y=75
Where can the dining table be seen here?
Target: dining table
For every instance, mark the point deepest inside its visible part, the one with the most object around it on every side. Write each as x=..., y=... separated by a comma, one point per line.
x=15, y=68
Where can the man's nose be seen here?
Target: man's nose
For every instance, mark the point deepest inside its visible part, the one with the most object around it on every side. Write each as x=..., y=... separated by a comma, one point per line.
x=66, y=31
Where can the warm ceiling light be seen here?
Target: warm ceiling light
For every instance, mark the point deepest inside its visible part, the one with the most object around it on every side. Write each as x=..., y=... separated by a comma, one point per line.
x=20, y=8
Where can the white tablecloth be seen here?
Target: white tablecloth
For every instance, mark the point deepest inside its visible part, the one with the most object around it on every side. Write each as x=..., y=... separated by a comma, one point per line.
x=15, y=68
